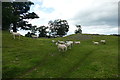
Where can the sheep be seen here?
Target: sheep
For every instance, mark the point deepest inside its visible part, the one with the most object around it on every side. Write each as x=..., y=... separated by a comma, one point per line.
x=53, y=41
x=61, y=42
x=69, y=44
x=56, y=43
x=16, y=34
x=77, y=42
x=96, y=43
x=103, y=41
x=34, y=36
x=62, y=47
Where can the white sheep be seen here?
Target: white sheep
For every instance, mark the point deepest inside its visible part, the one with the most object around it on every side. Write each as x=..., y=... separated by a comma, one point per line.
x=62, y=47
x=96, y=43
x=34, y=36
x=56, y=43
x=61, y=42
x=16, y=34
x=69, y=44
x=77, y=42
x=53, y=41
x=103, y=41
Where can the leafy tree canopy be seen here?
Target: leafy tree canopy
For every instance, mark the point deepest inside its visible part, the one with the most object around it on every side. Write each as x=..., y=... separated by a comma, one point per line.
x=42, y=31
x=79, y=30
x=15, y=13
x=59, y=27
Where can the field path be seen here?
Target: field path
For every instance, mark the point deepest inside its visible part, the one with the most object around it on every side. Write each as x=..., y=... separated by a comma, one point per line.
x=65, y=74
x=42, y=62
x=77, y=65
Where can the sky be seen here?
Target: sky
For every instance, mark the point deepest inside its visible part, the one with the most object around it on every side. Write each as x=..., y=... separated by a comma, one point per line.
x=94, y=16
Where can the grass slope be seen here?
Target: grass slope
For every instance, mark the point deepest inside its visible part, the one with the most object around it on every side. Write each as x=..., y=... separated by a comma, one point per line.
x=40, y=58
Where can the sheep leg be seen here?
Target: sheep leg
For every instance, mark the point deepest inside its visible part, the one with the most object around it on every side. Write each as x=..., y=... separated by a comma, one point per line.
x=70, y=46
x=66, y=49
x=14, y=36
x=63, y=49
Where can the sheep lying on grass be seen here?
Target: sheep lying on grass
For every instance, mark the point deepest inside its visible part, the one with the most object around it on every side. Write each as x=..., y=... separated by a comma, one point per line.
x=34, y=36
x=16, y=34
x=56, y=43
x=96, y=43
x=62, y=47
x=77, y=42
x=53, y=41
x=103, y=41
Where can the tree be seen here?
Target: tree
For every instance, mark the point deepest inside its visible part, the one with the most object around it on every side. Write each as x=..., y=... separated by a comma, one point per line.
x=79, y=30
x=28, y=34
x=33, y=29
x=58, y=27
x=21, y=10
x=42, y=31
x=6, y=15
x=18, y=11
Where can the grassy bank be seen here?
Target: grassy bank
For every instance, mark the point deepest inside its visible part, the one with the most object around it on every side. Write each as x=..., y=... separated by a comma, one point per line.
x=40, y=58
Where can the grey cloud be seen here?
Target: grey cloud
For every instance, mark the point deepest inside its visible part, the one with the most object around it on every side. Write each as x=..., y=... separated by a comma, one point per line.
x=105, y=14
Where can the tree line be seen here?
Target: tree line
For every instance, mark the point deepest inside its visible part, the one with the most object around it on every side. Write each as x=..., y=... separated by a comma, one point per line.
x=16, y=13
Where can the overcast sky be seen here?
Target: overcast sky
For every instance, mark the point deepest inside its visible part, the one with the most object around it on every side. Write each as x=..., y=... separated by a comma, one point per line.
x=94, y=16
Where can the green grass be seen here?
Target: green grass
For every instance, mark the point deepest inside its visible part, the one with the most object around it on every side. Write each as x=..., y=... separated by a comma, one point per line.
x=40, y=58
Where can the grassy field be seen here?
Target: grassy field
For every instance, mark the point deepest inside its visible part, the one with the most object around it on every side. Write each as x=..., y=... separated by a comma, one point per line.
x=40, y=58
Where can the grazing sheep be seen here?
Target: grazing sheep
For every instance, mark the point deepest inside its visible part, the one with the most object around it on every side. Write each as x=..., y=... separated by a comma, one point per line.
x=103, y=41
x=16, y=34
x=61, y=42
x=96, y=43
x=53, y=41
x=69, y=44
x=77, y=42
x=34, y=36
x=56, y=43
x=62, y=47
